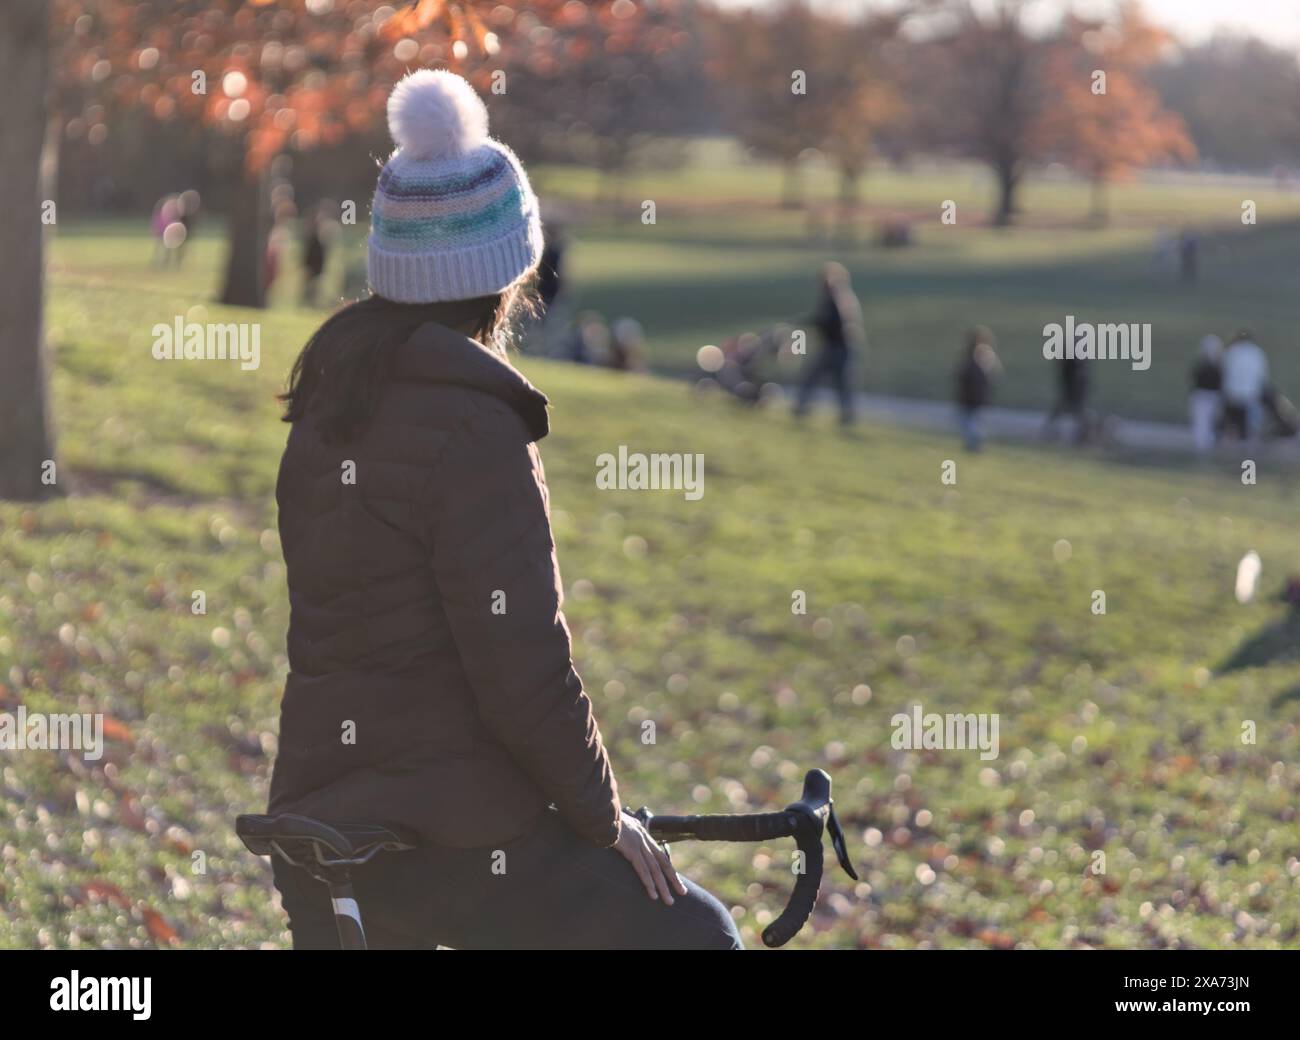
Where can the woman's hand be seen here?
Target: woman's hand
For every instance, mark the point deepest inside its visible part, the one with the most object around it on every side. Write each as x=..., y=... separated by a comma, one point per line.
x=649, y=860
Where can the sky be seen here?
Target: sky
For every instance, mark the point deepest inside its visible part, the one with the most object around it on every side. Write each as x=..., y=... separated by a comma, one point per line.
x=1277, y=21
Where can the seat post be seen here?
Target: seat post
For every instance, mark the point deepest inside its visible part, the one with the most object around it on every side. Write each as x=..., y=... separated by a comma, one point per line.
x=327, y=852
x=347, y=916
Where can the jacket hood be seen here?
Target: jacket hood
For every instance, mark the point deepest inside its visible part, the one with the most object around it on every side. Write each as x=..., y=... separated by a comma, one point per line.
x=437, y=354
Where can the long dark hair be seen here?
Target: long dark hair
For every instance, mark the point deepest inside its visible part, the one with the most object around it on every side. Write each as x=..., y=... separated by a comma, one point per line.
x=340, y=375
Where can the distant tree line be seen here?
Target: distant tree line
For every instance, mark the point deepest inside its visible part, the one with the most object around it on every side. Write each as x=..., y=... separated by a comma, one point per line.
x=943, y=77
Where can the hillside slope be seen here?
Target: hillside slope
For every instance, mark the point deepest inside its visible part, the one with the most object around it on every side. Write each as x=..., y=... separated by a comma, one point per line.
x=1118, y=732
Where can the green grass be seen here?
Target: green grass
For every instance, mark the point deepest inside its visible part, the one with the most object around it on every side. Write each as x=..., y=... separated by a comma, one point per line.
x=716, y=171
x=723, y=258
x=693, y=281
x=1119, y=733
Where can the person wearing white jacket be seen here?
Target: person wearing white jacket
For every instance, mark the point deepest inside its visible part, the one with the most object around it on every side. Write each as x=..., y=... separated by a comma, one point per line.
x=1245, y=378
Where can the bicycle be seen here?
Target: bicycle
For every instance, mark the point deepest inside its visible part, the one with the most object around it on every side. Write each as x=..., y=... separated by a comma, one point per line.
x=330, y=851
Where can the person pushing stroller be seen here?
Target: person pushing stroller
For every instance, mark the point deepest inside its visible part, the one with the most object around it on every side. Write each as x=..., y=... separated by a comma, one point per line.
x=838, y=320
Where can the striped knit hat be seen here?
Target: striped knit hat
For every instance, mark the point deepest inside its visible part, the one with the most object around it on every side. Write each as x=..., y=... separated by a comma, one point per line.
x=454, y=216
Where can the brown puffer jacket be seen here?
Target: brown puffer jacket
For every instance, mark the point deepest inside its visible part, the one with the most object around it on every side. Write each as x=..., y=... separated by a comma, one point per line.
x=431, y=683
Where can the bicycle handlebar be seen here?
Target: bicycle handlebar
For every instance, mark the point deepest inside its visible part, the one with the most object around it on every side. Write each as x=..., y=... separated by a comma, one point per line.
x=803, y=820
x=748, y=827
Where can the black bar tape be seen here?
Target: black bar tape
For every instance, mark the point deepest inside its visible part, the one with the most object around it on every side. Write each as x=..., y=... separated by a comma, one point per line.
x=748, y=827
x=800, y=907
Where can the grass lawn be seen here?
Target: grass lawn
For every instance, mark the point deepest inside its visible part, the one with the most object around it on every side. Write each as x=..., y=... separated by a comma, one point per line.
x=723, y=258
x=1119, y=733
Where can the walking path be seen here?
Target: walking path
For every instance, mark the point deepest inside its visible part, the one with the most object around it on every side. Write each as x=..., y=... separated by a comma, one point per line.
x=1014, y=424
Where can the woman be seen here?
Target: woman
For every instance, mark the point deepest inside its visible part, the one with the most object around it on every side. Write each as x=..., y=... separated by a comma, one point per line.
x=431, y=684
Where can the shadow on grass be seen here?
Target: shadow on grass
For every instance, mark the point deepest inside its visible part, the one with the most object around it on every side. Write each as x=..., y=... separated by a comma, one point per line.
x=104, y=480
x=1273, y=644
x=1282, y=698
x=917, y=305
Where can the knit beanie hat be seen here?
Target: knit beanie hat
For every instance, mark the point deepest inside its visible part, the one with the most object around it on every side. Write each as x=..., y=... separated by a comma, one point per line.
x=454, y=216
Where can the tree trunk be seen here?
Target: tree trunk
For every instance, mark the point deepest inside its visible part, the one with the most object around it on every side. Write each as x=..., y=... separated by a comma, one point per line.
x=791, y=184
x=849, y=202
x=850, y=178
x=26, y=438
x=1008, y=182
x=1100, y=214
x=613, y=170
x=246, y=255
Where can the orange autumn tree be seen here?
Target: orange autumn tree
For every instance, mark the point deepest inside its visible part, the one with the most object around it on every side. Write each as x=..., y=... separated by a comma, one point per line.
x=1107, y=122
x=265, y=77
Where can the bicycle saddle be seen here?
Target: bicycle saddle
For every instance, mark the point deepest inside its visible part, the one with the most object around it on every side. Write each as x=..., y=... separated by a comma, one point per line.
x=304, y=841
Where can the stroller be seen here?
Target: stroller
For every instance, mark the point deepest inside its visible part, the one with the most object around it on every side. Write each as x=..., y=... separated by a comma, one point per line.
x=1275, y=408
x=1286, y=419
x=739, y=369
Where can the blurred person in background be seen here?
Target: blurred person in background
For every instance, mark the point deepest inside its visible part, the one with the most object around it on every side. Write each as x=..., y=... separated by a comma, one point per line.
x=978, y=368
x=277, y=247
x=587, y=342
x=1245, y=379
x=313, y=255
x=1164, y=254
x=550, y=270
x=187, y=215
x=549, y=331
x=627, y=346
x=1205, y=399
x=1071, y=400
x=166, y=228
x=838, y=320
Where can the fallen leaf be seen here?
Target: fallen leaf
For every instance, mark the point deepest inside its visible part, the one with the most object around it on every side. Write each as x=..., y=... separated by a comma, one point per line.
x=159, y=929
x=117, y=730
x=106, y=892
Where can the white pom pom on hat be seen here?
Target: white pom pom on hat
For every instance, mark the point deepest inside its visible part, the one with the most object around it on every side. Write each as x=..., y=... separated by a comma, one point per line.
x=436, y=114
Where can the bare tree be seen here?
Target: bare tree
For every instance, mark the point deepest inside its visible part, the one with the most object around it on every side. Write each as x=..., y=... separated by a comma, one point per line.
x=767, y=66
x=985, y=87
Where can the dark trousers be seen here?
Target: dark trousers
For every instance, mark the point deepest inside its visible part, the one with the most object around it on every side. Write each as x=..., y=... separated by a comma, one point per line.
x=548, y=890
x=833, y=366
x=972, y=436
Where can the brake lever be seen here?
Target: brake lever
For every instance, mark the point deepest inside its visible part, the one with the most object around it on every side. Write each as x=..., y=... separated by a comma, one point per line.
x=837, y=841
